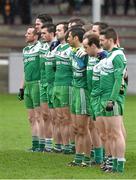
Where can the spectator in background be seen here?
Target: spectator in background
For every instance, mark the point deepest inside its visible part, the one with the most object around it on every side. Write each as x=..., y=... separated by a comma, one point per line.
x=108, y=4
x=8, y=11
x=25, y=11
x=41, y=1
x=78, y=5
x=127, y=5
x=70, y=7
x=51, y=1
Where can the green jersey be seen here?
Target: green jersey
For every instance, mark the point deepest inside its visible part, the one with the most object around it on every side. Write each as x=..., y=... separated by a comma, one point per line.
x=31, y=61
x=92, y=61
x=50, y=66
x=63, y=74
x=43, y=51
x=112, y=74
x=79, y=66
x=96, y=91
x=97, y=65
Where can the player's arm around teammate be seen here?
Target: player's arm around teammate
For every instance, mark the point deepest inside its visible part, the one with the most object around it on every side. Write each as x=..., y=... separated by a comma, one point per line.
x=79, y=99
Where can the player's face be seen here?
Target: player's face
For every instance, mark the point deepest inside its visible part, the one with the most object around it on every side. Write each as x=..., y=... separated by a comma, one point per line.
x=38, y=25
x=70, y=39
x=45, y=35
x=95, y=29
x=104, y=43
x=60, y=34
x=30, y=37
x=89, y=49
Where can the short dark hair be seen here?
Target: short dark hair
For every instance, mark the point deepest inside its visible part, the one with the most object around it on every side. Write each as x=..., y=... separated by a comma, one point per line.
x=50, y=27
x=87, y=26
x=65, y=25
x=45, y=18
x=110, y=33
x=76, y=31
x=78, y=21
x=102, y=25
x=93, y=39
x=34, y=31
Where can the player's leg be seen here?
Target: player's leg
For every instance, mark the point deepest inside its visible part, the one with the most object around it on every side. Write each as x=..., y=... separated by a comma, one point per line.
x=32, y=101
x=79, y=105
x=57, y=120
x=34, y=129
x=83, y=137
x=119, y=142
x=65, y=129
x=97, y=143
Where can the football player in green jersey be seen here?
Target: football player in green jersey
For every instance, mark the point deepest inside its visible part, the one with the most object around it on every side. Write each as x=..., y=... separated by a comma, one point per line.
x=97, y=27
x=79, y=99
x=96, y=54
x=40, y=20
x=47, y=36
x=62, y=85
x=31, y=83
x=113, y=73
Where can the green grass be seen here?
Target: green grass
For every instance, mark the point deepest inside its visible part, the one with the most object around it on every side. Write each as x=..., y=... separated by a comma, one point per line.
x=15, y=138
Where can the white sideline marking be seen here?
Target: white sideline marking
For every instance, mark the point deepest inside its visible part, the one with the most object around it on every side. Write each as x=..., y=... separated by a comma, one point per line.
x=4, y=62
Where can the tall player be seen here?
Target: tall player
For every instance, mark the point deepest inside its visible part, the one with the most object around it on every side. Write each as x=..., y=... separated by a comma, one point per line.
x=31, y=61
x=113, y=74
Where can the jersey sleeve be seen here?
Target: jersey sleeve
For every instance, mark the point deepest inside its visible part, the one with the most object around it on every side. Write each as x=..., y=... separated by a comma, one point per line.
x=118, y=74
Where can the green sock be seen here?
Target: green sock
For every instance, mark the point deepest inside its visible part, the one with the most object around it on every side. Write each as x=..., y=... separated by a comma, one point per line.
x=58, y=146
x=92, y=155
x=67, y=149
x=120, y=164
x=114, y=168
x=98, y=155
x=103, y=153
x=41, y=144
x=86, y=159
x=78, y=158
x=35, y=142
x=62, y=146
x=49, y=143
x=72, y=144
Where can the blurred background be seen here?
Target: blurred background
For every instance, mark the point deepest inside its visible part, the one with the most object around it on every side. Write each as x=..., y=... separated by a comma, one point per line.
x=16, y=15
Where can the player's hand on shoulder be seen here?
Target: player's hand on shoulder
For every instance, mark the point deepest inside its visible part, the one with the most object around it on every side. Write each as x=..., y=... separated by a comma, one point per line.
x=81, y=52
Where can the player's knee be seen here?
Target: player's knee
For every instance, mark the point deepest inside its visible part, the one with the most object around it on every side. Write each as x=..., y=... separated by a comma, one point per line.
x=82, y=130
x=116, y=134
x=91, y=127
x=57, y=121
x=103, y=137
x=31, y=118
x=37, y=117
x=65, y=121
x=45, y=116
x=74, y=128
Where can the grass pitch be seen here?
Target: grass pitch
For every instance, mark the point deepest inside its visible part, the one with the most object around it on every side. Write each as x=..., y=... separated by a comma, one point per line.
x=15, y=138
